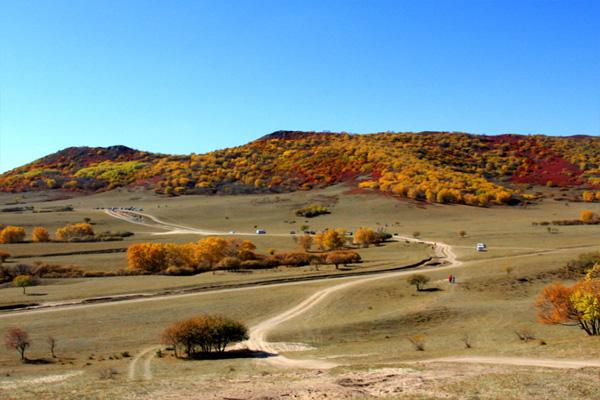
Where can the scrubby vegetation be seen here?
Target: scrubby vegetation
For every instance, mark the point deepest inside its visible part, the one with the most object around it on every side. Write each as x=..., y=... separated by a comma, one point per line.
x=430, y=166
x=312, y=211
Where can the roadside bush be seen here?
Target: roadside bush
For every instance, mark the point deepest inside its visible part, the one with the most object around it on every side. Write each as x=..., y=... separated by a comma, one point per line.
x=3, y=256
x=73, y=232
x=203, y=334
x=12, y=234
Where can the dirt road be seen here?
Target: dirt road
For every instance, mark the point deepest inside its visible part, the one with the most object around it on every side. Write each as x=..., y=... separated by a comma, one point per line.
x=258, y=333
x=518, y=361
x=133, y=371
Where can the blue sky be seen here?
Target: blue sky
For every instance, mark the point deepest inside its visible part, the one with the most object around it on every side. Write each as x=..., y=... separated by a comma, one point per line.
x=194, y=76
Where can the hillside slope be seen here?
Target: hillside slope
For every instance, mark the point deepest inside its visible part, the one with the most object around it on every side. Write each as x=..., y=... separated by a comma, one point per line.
x=433, y=166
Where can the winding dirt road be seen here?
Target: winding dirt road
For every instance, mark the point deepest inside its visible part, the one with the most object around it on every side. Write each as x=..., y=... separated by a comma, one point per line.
x=258, y=333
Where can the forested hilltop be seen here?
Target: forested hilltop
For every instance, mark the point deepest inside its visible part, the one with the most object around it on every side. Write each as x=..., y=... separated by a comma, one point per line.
x=437, y=167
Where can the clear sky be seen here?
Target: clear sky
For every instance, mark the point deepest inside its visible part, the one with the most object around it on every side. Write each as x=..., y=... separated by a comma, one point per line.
x=194, y=76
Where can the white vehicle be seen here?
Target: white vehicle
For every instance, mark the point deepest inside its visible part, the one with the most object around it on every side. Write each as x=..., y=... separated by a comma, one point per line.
x=481, y=247
x=261, y=232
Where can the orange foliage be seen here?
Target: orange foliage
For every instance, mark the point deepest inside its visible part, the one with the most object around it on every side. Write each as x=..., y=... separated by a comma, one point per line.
x=589, y=217
x=12, y=234
x=71, y=231
x=431, y=166
x=40, y=234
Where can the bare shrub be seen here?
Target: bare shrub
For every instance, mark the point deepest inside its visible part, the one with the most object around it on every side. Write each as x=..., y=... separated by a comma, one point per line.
x=467, y=340
x=525, y=334
x=107, y=373
x=418, y=342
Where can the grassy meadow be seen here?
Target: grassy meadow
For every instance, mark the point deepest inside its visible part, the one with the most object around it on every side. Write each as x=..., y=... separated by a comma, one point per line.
x=363, y=327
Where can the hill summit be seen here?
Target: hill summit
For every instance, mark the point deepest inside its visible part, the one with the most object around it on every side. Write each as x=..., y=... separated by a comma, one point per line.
x=438, y=167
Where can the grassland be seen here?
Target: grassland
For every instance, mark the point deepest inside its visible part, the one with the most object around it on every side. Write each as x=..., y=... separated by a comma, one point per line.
x=363, y=328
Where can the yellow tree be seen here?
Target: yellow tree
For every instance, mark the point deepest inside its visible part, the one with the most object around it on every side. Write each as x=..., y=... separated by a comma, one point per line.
x=74, y=231
x=588, y=196
x=334, y=239
x=12, y=234
x=210, y=251
x=40, y=234
x=364, y=237
x=578, y=305
x=588, y=216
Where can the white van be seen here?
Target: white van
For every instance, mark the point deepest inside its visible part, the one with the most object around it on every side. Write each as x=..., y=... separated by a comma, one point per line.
x=260, y=232
x=481, y=247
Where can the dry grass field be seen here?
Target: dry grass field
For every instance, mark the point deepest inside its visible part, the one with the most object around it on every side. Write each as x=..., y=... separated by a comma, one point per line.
x=362, y=329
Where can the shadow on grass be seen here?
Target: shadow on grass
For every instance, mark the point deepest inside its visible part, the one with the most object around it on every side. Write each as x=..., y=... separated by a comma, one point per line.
x=431, y=289
x=37, y=294
x=38, y=361
x=241, y=353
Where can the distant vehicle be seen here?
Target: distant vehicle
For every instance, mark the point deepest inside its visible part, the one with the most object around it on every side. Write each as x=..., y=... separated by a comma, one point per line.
x=292, y=232
x=481, y=247
x=349, y=233
x=232, y=232
x=261, y=232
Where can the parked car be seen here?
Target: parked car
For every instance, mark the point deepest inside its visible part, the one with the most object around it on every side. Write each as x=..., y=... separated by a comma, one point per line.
x=481, y=247
x=261, y=232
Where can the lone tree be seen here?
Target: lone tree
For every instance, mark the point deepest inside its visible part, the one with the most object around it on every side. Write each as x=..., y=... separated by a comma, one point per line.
x=418, y=280
x=577, y=305
x=17, y=339
x=23, y=281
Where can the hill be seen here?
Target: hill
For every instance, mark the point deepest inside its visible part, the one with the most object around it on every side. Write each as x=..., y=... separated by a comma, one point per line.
x=433, y=166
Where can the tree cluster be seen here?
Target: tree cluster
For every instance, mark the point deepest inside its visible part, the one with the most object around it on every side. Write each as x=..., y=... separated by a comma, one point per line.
x=202, y=335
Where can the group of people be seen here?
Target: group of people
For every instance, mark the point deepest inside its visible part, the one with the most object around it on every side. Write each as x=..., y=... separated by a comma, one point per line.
x=451, y=278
